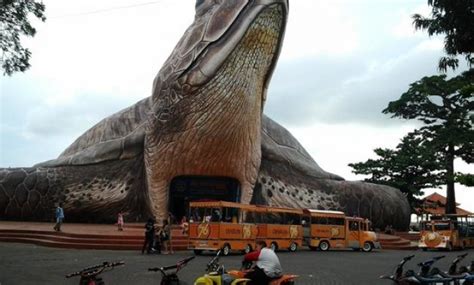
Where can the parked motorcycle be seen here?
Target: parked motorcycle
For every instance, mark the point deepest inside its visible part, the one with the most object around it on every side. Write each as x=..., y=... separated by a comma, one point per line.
x=90, y=275
x=286, y=279
x=458, y=277
x=217, y=275
x=410, y=277
x=171, y=278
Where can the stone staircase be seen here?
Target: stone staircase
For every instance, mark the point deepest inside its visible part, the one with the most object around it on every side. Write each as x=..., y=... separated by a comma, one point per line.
x=395, y=242
x=411, y=236
x=93, y=236
x=84, y=236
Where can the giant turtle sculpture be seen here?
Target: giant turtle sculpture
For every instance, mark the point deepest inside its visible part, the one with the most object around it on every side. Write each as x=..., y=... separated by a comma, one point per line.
x=203, y=119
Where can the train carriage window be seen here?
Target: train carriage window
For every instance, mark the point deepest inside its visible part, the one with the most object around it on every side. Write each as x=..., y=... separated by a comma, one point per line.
x=442, y=226
x=305, y=221
x=293, y=219
x=336, y=221
x=216, y=215
x=320, y=220
x=353, y=225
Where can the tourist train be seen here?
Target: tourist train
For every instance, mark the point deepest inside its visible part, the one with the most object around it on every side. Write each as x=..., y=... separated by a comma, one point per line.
x=447, y=232
x=230, y=226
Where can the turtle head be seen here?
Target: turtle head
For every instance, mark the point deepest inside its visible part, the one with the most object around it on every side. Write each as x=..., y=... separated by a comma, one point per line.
x=220, y=27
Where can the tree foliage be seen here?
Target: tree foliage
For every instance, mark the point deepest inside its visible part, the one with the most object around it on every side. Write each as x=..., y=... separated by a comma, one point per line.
x=454, y=19
x=425, y=157
x=410, y=167
x=446, y=107
x=15, y=23
x=465, y=179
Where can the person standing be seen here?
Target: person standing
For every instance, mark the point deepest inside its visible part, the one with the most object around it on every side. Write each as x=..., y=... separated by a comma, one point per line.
x=120, y=221
x=166, y=237
x=59, y=218
x=149, y=236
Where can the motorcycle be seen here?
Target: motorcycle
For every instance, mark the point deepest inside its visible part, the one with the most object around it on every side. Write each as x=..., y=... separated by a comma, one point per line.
x=90, y=275
x=459, y=277
x=172, y=278
x=217, y=275
x=286, y=279
x=411, y=278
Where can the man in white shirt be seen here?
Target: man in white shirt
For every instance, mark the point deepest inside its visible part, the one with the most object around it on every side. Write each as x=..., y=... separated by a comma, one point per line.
x=267, y=265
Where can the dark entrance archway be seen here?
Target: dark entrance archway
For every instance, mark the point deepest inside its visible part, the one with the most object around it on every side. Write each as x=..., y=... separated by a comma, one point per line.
x=185, y=189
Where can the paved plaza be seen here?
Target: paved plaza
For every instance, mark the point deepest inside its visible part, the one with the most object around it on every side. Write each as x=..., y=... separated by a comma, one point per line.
x=30, y=264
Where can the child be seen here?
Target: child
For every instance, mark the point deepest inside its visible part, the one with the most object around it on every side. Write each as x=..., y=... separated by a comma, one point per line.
x=120, y=221
x=184, y=225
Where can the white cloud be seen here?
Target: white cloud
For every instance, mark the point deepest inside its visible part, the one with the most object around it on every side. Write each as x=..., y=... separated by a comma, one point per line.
x=404, y=28
x=334, y=146
x=319, y=28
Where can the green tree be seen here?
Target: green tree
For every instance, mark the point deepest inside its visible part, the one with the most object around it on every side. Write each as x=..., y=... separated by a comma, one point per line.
x=454, y=19
x=446, y=108
x=465, y=179
x=15, y=23
x=411, y=167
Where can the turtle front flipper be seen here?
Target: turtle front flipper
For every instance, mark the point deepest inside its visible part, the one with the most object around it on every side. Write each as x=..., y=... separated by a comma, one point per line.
x=88, y=192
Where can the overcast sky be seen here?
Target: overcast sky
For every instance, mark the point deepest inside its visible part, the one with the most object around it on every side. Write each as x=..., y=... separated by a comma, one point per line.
x=341, y=63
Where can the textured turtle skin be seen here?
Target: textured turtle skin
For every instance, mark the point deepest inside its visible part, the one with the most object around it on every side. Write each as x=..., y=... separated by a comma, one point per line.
x=203, y=118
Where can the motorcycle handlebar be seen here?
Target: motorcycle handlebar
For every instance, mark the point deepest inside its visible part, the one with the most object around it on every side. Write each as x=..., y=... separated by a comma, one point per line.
x=430, y=262
x=406, y=259
x=180, y=263
x=95, y=268
x=460, y=257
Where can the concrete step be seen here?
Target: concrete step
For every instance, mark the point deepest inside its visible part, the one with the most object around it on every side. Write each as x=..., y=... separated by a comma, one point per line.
x=395, y=242
x=118, y=241
x=412, y=236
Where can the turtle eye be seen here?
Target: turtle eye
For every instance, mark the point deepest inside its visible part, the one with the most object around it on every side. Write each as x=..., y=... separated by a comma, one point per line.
x=203, y=5
x=199, y=3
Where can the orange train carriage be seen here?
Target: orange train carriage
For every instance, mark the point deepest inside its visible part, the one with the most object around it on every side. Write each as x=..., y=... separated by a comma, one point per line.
x=221, y=225
x=236, y=227
x=280, y=228
x=447, y=232
x=333, y=229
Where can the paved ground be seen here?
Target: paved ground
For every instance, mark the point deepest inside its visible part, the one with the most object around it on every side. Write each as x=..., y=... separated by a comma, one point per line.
x=30, y=264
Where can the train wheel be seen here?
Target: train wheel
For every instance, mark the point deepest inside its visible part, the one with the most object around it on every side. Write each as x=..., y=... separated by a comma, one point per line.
x=324, y=245
x=293, y=247
x=226, y=249
x=274, y=246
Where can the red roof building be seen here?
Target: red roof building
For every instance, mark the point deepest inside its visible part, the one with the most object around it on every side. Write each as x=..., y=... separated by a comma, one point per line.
x=435, y=204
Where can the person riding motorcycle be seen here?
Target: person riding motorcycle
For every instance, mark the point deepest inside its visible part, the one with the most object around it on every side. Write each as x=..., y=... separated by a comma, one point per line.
x=267, y=265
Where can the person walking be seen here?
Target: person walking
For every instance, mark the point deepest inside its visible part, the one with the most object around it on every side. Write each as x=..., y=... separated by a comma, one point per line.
x=149, y=236
x=59, y=218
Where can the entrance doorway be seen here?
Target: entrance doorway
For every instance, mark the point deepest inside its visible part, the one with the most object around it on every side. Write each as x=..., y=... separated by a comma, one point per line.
x=185, y=189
